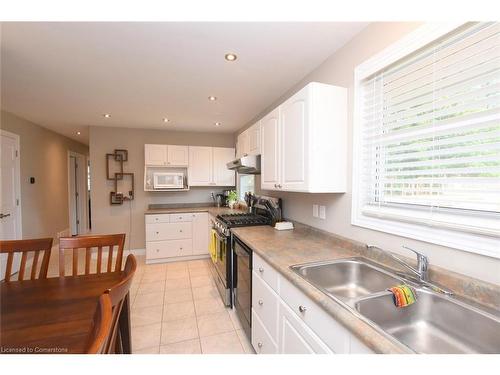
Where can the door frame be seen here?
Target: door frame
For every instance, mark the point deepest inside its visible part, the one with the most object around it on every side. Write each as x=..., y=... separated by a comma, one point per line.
x=19, y=221
x=82, y=188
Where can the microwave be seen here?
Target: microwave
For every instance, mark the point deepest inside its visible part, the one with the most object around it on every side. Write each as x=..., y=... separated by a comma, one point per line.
x=171, y=180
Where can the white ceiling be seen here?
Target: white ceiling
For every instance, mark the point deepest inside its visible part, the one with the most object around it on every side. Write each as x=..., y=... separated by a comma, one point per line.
x=64, y=76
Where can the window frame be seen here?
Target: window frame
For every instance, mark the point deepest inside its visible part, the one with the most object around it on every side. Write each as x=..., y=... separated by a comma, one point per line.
x=470, y=242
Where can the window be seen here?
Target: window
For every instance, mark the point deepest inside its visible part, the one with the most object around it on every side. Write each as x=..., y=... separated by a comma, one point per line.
x=247, y=184
x=427, y=139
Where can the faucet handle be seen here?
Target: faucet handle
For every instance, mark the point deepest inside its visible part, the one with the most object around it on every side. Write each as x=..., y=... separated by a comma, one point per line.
x=422, y=259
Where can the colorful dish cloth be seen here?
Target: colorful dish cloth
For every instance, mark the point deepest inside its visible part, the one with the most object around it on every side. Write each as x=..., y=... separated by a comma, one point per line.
x=213, y=246
x=403, y=295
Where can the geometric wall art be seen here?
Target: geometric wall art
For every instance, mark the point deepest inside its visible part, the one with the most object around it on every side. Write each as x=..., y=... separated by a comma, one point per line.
x=114, y=172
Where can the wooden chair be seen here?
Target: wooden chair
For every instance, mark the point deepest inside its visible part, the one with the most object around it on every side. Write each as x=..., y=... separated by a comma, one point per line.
x=25, y=247
x=101, y=326
x=117, y=295
x=88, y=242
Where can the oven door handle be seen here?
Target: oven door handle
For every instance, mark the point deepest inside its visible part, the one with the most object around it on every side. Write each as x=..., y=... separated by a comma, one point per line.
x=219, y=237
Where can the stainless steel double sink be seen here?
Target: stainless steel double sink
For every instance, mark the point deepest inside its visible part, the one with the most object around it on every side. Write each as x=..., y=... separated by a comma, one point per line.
x=435, y=323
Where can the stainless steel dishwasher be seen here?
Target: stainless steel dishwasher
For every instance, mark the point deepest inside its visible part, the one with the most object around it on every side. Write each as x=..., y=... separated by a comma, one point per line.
x=242, y=284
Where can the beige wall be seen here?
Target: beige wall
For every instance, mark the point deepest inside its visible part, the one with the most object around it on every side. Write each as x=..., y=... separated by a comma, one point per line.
x=129, y=217
x=44, y=155
x=339, y=70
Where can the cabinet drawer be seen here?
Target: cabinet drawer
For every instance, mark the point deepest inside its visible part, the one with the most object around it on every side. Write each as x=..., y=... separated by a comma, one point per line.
x=168, y=231
x=330, y=331
x=161, y=218
x=265, y=271
x=168, y=249
x=265, y=304
x=261, y=340
x=178, y=218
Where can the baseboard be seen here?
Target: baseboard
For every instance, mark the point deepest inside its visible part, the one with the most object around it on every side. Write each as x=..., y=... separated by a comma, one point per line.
x=177, y=259
x=136, y=252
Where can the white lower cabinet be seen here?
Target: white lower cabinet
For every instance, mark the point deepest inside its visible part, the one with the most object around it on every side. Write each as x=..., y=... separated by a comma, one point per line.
x=285, y=320
x=179, y=235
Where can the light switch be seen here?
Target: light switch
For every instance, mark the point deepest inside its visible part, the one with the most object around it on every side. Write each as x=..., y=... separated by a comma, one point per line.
x=315, y=210
x=322, y=212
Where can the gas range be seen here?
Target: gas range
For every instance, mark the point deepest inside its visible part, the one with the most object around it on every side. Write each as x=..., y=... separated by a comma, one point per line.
x=225, y=222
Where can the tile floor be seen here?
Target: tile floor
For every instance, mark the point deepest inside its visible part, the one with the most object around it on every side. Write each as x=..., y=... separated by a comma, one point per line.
x=176, y=309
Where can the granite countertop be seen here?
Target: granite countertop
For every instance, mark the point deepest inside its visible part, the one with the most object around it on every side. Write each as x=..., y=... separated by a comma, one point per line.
x=282, y=249
x=179, y=208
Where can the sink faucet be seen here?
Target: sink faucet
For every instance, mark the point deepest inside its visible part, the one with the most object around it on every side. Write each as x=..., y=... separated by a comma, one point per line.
x=422, y=270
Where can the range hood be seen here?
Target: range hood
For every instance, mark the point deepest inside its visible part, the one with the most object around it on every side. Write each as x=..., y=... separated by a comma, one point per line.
x=246, y=165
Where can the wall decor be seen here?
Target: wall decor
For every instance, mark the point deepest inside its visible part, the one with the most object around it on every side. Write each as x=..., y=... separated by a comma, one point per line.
x=118, y=197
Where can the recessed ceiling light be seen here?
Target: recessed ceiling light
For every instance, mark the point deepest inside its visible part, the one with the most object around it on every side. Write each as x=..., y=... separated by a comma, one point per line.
x=107, y=115
x=230, y=56
x=217, y=123
x=166, y=120
x=78, y=133
x=212, y=98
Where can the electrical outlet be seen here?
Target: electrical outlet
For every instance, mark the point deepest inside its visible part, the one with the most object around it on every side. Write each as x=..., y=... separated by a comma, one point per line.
x=322, y=212
x=315, y=210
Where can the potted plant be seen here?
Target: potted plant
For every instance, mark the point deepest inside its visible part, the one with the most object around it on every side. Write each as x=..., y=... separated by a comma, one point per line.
x=232, y=198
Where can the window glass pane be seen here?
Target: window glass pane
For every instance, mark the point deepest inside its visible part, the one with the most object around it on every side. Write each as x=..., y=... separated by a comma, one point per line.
x=247, y=184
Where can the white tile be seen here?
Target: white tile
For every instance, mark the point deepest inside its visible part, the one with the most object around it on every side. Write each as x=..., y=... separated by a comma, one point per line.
x=208, y=306
x=179, y=330
x=199, y=271
x=176, y=311
x=205, y=292
x=146, y=315
x=234, y=319
x=151, y=287
x=152, y=350
x=178, y=295
x=177, y=284
x=245, y=342
x=200, y=281
x=225, y=343
x=183, y=347
x=213, y=324
x=150, y=299
x=146, y=336
x=177, y=274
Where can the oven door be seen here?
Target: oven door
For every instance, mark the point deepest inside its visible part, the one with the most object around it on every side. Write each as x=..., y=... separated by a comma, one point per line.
x=242, y=284
x=220, y=268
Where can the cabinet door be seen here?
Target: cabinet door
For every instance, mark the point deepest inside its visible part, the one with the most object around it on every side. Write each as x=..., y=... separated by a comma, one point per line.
x=177, y=156
x=155, y=154
x=296, y=337
x=200, y=233
x=200, y=166
x=254, y=139
x=294, y=141
x=270, y=150
x=221, y=175
x=242, y=144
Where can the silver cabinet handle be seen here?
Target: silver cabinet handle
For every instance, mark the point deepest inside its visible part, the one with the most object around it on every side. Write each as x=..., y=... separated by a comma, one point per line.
x=157, y=250
x=259, y=345
x=302, y=309
x=180, y=230
x=261, y=302
x=261, y=269
x=157, y=232
x=180, y=248
x=4, y=215
x=275, y=185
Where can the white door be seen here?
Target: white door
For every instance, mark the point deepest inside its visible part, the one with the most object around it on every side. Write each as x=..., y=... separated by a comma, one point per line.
x=10, y=194
x=221, y=175
x=242, y=144
x=200, y=166
x=155, y=154
x=296, y=337
x=200, y=233
x=177, y=155
x=294, y=141
x=74, y=221
x=270, y=151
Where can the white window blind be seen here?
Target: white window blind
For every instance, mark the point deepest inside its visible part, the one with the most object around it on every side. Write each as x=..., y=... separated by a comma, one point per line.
x=430, y=134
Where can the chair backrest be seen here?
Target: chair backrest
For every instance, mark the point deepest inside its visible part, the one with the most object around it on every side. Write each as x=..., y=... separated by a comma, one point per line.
x=88, y=243
x=117, y=294
x=101, y=326
x=25, y=247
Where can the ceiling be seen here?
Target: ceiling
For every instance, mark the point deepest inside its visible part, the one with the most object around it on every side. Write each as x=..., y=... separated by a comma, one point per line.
x=65, y=76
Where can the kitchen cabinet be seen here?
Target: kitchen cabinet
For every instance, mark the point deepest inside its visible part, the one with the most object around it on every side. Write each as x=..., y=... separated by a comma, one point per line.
x=179, y=236
x=304, y=142
x=166, y=155
x=207, y=166
x=248, y=142
x=285, y=320
x=200, y=233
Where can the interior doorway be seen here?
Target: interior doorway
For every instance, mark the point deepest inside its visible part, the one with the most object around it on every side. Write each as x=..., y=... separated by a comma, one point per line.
x=77, y=193
x=10, y=194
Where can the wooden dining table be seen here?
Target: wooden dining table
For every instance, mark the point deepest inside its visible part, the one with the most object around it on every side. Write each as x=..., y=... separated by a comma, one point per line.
x=54, y=315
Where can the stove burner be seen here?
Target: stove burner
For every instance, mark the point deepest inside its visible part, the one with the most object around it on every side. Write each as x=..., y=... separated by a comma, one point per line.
x=233, y=220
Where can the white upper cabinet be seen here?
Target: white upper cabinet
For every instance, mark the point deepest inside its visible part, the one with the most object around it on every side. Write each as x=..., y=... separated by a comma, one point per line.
x=304, y=142
x=248, y=142
x=207, y=166
x=178, y=156
x=270, y=159
x=166, y=155
x=221, y=175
